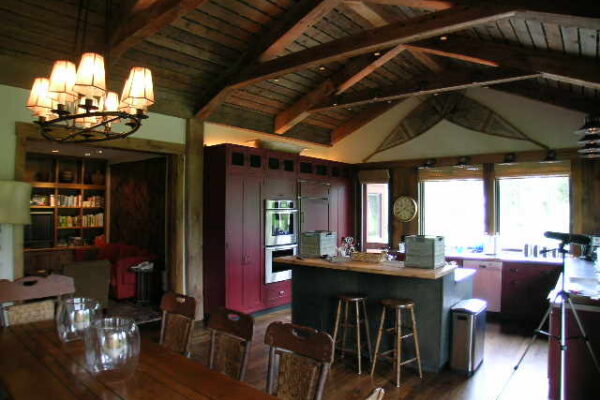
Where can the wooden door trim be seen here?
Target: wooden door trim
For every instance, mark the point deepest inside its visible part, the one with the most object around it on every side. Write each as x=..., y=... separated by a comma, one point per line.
x=176, y=232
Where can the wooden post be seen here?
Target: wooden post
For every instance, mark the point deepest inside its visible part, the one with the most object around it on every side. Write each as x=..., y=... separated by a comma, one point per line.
x=405, y=182
x=176, y=231
x=194, y=171
x=489, y=195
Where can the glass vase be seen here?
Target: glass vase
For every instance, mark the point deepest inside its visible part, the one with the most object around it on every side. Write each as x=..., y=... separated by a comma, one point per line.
x=112, y=348
x=74, y=316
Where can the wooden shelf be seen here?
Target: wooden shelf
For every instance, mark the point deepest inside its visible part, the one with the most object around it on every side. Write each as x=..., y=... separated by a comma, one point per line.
x=79, y=227
x=67, y=207
x=58, y=185
x=60, y=248
x=50, y=207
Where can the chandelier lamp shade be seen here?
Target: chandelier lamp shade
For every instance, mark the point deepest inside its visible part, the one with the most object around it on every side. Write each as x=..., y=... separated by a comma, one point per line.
x=74, y=105
x=590, y=140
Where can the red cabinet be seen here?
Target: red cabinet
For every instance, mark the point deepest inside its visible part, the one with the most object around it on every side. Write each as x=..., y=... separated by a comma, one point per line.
x=525, y=287
x=238, y=180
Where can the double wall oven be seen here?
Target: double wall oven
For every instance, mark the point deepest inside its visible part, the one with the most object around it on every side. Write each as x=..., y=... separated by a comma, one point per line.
x=281, y=237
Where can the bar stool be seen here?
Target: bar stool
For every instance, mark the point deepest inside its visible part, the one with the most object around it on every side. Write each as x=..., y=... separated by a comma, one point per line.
x=398, y=306
x=357, y=301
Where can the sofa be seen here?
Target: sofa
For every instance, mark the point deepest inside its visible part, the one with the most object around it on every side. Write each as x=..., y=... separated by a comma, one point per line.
x=121, y=257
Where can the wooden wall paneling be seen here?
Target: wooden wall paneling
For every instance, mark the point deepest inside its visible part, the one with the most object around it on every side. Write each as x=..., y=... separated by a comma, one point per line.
x=404, y=182
x=489, y=194
x=17, y=230
x=176, y=221
x=194, y=196
x=585, y=191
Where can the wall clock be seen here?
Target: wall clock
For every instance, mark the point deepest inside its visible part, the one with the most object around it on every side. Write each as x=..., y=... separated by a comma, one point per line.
x=405, y=208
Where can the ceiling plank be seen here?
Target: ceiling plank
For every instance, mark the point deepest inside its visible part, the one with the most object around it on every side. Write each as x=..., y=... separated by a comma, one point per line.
x=377, y=18
x=315, y=11
x=215, y=95
x=143, y=20
x=429, y=84
x=552, y=65
x=434, y=5
x=360, y=120
x=414, y=29
x=550, y=95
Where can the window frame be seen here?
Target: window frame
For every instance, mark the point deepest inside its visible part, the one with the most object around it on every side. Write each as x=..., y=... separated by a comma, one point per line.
x=363, y=211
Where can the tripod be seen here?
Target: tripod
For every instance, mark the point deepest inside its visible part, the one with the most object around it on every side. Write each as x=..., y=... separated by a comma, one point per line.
x=565, y=298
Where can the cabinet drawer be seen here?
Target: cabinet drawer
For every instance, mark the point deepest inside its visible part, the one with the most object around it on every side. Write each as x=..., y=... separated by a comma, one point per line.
x=278, y=293
x=482, y=264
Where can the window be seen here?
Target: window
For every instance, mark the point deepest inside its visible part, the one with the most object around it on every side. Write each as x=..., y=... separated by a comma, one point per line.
x=454, y=209
x=530, y=206
x=376, y=213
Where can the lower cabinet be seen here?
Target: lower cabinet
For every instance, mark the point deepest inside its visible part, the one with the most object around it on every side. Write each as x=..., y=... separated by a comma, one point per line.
x=525, y=287
x=277, y=294
x=487, y=282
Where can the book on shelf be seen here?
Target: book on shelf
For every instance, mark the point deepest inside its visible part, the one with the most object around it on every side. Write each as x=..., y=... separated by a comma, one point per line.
x=95, y=220
x=93, y=201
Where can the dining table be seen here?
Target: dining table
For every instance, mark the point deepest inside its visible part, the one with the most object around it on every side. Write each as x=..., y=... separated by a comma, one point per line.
x=35, y=364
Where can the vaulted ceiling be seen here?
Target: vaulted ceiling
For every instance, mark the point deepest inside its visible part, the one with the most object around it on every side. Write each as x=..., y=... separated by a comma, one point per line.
x=316, y=70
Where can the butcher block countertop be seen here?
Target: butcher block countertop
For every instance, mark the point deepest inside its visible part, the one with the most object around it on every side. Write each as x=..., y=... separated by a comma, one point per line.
x=398, y=270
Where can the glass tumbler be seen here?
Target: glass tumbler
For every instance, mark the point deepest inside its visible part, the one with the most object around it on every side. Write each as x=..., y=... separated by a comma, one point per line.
x=74, y=316
x=112, y=347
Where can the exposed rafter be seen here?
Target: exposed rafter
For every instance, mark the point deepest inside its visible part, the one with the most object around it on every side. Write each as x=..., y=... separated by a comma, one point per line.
x=553, y=65
x=288, y=27
x=435, y=5
x=145, y=18
x=315, y=10
x=429, y=84
x=419, y=28
x=377, y=18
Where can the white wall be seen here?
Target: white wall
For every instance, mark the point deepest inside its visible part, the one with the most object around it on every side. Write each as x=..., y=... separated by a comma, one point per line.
x=12, y=109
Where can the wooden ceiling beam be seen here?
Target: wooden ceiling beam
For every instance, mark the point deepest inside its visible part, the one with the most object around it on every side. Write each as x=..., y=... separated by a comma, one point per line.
x=552, y=65
x=425, y=85
x=419, y=28
x=315, y=10
x=144, y=19
x=288, y=27
x=550, y=95
x=359, y=120
x=434, y=5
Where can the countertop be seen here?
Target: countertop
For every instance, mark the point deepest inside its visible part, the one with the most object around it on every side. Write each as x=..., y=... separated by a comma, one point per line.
x=581, y=280
x=507, y=257
x=398, y=270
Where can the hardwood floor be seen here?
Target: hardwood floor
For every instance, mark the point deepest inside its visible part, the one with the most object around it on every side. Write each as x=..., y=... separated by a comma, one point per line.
x=501, y=353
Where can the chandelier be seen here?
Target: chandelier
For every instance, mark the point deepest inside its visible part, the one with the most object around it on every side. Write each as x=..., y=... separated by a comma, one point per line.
x=73, y=105
x=590, y=140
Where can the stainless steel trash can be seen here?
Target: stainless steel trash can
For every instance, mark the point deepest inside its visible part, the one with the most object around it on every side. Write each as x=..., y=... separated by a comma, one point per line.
x=468, y=335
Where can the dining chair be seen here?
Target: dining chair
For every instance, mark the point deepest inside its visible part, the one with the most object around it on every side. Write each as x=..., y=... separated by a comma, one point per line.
x=178, y=315
x=301, y=358
x=376, y=394
x=230, y=338
x=21, y=291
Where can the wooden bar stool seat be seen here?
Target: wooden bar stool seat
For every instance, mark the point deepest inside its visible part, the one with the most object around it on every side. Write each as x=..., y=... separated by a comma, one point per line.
x=400, y=333
x=358, y=302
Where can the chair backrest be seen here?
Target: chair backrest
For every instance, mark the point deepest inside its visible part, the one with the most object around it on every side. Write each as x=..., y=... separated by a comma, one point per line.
x=301, y=357
x=179, y=313
x=231, y=336
x=31, y=288
x=376, y=394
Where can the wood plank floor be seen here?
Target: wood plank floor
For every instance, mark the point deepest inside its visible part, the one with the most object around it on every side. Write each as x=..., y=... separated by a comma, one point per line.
x=501, y=353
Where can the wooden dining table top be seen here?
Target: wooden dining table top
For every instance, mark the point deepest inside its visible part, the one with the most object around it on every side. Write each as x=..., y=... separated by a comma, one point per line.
x=34, y=364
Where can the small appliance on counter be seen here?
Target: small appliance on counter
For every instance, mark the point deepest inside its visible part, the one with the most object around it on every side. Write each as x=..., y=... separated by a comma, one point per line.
x=425, y=251
x=590, y=251
x=318, y=244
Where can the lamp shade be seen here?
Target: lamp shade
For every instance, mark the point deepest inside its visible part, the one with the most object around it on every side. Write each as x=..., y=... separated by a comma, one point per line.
x=111, y=103
x=90, y=80
x=62, y=80
x=138, y=91
x=40, y=102
x=14, y=202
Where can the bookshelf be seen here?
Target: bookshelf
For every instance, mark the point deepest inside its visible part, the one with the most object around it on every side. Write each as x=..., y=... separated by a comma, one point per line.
x=69, y=201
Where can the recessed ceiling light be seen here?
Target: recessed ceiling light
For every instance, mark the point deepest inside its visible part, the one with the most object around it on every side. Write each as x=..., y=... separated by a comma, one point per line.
x=88, y=154
x=321, y=68
x=55, y=150
x=99, y=151
x=334, y=104
x=443, y=38
x=276, y=80
x=377, y=54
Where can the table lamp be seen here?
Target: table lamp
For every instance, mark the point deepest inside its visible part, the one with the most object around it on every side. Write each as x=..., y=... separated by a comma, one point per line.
x=14, y=203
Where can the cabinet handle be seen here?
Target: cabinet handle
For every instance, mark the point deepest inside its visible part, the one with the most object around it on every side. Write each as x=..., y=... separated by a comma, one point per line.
x=281, y=292
x=514, y=270
x=483, y=266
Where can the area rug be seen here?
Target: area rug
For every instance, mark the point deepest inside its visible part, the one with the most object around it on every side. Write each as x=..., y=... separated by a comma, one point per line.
x=128, y=309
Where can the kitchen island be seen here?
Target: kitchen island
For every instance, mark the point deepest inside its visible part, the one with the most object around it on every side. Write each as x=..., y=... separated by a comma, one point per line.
x=317, y=282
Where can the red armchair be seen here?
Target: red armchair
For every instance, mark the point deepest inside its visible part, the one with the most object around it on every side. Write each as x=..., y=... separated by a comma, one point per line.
x=122, y=257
